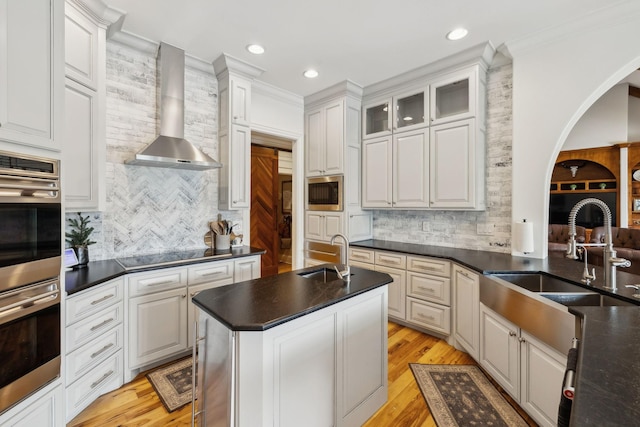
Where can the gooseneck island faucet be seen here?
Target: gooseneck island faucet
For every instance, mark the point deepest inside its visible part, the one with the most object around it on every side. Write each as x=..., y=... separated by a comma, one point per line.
x=610, y=259
x=344, y=258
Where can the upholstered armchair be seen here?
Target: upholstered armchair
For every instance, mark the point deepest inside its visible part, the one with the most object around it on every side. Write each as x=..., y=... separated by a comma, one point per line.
x=626, y=242
x=559, y=236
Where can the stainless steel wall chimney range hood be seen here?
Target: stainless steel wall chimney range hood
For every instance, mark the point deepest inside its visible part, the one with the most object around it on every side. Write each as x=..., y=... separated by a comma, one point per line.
x=170, y=149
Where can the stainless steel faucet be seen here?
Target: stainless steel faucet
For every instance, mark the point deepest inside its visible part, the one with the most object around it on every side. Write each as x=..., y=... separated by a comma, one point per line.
x=345, y=274
x=610, y=259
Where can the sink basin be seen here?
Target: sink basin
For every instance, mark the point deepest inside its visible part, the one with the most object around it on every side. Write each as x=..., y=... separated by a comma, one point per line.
x=542, y=283
x=324, y=275
x=560, y=291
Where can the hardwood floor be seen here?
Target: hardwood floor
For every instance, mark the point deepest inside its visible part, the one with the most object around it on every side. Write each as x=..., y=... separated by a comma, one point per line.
x=136, y=403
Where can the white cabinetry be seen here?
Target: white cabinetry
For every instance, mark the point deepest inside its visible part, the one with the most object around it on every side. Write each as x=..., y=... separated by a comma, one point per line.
x=42, y=409
x=322, y=225
x=377, y=173
x=455, y=96
x=85, y=105
x=207, y=276
x=466, y=308
x=429, y=293
x=31, y=69
x=247, y=268
x=160, y=312
x=235, y=175
x=328, y=367
x=529, y=370
x=403, y=111
x=437, y=159
x=94, y=346
x=234, y=120
x=157, y=315
x=395, y=171
x=456, y=163
x=325, y=139
x=333, y=147
x=420, y=295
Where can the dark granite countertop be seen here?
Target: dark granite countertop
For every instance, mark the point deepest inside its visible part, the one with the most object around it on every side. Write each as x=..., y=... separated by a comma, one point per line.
x=493, y=262
x=260, y=304
x=607, y=391
x=608, y=372
x=98, y=272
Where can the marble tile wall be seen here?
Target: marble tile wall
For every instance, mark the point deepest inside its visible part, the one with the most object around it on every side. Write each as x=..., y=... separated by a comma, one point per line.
x=460, y=229
x=151, y=210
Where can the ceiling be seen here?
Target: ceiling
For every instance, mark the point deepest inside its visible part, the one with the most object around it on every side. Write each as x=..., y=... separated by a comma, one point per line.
x=365, y=41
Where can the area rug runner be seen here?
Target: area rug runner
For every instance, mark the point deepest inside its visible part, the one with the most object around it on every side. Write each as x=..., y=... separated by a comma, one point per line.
x=461, y=395
x=173, y=384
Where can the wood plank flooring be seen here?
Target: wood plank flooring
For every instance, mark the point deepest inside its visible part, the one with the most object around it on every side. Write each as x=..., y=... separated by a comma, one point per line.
x=136, y=404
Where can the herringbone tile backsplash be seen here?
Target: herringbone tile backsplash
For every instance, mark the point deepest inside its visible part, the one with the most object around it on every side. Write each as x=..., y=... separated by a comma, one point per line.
x=152, y=210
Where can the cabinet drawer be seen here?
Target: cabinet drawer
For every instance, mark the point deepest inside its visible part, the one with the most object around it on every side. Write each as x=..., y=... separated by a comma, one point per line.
x=88, y=356
x=218, y=273
x=431, y=288
x=431, y=316
x=429, y=266
x=93, y=300
x=361, y=255
x=160, y=280
x=93, y=326
x=389, y=259
x=105, y=377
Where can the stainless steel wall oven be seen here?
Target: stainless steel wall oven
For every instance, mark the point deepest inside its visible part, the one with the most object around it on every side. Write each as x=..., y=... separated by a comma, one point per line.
x=30, y=261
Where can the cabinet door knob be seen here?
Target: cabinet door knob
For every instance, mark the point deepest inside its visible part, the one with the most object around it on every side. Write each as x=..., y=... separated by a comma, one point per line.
x=512, y=334
x=184, y=295
x=522, y=340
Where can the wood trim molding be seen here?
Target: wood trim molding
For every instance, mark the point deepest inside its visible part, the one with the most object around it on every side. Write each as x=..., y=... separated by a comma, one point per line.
x=634, y=91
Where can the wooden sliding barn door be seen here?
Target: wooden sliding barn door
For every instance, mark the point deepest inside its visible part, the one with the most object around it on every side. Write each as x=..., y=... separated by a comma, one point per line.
x=264, y=206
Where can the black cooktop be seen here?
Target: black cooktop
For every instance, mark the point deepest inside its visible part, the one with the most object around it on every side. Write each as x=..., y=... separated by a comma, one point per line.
x=170, y=258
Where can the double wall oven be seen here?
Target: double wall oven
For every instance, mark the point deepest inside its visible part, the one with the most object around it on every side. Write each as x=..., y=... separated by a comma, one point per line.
x=30, y=261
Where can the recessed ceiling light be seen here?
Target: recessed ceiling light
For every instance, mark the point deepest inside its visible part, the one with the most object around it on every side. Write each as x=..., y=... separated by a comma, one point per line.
x=310, y=74
x=457, y=34
x=256, y=49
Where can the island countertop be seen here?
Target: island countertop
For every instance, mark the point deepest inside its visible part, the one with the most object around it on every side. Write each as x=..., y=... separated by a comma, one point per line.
x=261, y=304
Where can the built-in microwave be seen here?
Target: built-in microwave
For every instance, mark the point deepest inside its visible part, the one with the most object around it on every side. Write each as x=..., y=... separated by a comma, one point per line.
x=325, y=193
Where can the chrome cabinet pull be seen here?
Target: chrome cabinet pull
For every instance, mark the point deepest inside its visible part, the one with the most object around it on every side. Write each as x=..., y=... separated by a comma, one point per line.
x=104, y=298
x=100, y=325
x=160, y=282
x=102, y=350
x=104, y=377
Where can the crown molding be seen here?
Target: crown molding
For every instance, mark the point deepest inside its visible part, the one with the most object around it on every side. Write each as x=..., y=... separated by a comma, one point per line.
x=346, y=88
x=606, y=17
x=198, y=64
x=136, y=42
x=227, y=63
x=99, y=12
x=258, y=86
x=481, y=54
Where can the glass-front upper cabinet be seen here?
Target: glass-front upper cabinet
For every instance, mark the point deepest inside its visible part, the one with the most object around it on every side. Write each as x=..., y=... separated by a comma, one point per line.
x=453, y=97
x=410, y=110
x=406, y=111
x=377, y=118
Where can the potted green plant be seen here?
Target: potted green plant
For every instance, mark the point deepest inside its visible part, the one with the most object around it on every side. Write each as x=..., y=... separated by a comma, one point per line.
x=79, y=238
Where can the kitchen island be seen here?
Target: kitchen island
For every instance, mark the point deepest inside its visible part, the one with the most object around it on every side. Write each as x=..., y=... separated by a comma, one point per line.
x=300, y=348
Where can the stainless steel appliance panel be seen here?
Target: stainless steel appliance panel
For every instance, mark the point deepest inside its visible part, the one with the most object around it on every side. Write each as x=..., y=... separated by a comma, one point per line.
x=325, y=193
x=29, y=340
